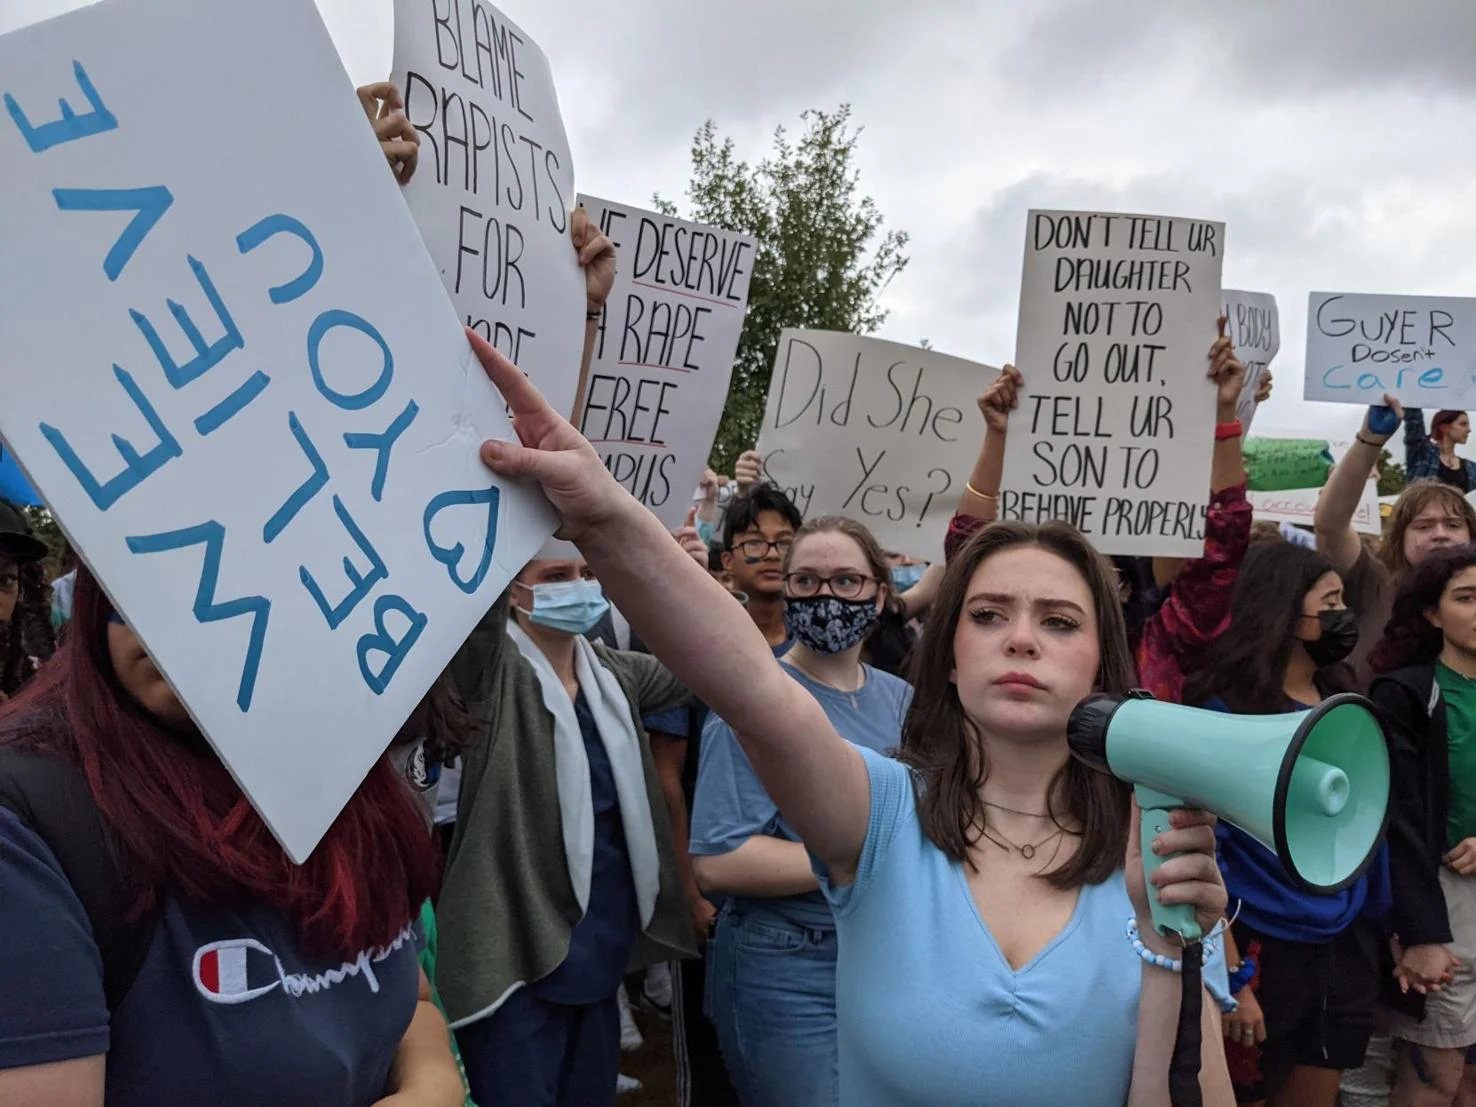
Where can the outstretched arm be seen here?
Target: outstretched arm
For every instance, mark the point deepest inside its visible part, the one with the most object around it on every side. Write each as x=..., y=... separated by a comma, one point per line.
x=1333, y=520
x=816, y=778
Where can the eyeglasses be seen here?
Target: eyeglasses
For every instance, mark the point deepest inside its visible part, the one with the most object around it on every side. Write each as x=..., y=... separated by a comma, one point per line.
x=843, y=586
x=757, y=548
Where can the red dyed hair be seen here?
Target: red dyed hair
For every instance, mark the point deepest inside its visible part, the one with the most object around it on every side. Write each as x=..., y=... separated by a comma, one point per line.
x=183, y=825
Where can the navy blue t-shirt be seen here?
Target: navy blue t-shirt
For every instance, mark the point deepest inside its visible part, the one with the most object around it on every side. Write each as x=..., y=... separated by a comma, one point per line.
x=225, y=1009
x=599, y=945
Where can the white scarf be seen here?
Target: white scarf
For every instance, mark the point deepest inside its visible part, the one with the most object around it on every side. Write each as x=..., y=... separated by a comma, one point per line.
x=612, y=717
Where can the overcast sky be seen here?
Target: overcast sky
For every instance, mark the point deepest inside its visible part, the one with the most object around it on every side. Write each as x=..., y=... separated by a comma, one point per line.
x=1332, y=140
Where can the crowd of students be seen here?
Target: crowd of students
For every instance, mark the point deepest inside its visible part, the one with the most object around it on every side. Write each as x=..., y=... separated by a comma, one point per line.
x=818, y=791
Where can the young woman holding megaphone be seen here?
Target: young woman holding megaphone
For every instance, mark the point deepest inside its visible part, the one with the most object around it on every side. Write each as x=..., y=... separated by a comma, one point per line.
x=986, y=887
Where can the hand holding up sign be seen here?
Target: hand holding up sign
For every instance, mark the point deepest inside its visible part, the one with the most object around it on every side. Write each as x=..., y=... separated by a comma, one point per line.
x=400, y=142
x=596, y=257
x=1228, y=374
x=689, y=540
x=549, y=450
x=748, y=471
x=1000, y=398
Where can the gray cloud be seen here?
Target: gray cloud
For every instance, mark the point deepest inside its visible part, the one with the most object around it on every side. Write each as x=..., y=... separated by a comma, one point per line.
x=1266, y=47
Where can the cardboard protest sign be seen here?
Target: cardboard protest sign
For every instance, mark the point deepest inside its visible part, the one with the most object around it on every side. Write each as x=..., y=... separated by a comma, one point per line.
x=1419, y=349
x=1116, y=419
x=495, y=184
x=230, y=368
x=884, y=433
x=1254, y=325
x=664, y=352
x=1276, y=464
x=1299, y=505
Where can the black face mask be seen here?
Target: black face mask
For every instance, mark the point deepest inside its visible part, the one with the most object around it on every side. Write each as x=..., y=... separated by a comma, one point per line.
x=1339, y=637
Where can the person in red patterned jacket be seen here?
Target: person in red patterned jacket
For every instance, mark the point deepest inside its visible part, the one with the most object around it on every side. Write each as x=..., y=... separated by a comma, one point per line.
x=1196, y=608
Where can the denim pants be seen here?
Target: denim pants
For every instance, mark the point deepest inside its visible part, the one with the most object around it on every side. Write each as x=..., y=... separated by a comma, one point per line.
x=771, y=996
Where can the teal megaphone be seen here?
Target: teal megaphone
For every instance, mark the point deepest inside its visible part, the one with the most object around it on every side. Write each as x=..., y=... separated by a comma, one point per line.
x=1313, y=786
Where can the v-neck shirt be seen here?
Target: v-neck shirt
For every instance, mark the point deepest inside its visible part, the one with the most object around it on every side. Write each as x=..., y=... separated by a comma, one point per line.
x=931, y=1013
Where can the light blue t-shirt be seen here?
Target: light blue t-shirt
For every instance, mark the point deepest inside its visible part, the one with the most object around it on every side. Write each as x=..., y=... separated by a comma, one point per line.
x=731, y=806
x=931, y=1014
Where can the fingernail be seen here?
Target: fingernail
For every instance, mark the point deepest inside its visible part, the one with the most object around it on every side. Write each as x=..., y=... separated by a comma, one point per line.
x=1157, y=845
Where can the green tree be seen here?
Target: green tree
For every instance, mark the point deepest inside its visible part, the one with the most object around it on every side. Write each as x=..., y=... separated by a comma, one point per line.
x=1391, y=475
x=823, y=255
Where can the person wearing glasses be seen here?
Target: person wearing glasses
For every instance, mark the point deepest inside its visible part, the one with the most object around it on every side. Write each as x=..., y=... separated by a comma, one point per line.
x=756, y=537
x=771, y=961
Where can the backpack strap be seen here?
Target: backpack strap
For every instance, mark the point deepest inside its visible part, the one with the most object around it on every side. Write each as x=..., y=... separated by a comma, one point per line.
x=51, y=798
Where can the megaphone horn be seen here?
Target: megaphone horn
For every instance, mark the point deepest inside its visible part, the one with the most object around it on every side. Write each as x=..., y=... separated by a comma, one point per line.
x=1312, y=786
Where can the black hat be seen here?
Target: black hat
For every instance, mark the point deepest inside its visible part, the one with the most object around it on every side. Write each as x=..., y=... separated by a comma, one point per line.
x=16, y=540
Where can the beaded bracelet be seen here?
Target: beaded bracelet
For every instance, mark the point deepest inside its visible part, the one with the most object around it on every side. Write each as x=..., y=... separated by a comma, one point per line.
x=1158, y=960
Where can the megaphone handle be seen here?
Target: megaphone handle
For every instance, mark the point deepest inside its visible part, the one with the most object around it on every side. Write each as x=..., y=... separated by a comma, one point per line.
x=1177, y=918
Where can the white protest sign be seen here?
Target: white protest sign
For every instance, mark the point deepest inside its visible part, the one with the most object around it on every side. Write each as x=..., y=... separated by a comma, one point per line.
x=882, y=432
x=1254, y=326
x=230, y=368
x=1116, y=419
x=495, y=183
x=664, y=352
x=1419, y=349
x=1299, y=505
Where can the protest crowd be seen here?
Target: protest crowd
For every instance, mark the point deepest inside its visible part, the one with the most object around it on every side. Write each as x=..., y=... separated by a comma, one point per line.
x=783, y=769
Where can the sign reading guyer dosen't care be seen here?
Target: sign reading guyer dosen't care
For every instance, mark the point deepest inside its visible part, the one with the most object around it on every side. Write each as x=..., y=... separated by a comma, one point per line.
x=664, y=351
x=882, y=432
x=1116, y=419
x=1419, y=349
x=230, y=368
x=495, y=184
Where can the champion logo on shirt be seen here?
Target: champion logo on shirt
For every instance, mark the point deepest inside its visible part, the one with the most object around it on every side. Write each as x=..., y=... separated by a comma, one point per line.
x=238, y=970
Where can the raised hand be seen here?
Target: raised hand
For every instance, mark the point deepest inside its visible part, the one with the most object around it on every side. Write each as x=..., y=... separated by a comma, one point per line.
x=596, y=258
x=1000, y=398
x=549, y=450
x=385, y=107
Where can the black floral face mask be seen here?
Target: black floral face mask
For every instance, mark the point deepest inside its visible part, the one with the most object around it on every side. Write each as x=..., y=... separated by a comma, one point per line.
x=828, y=624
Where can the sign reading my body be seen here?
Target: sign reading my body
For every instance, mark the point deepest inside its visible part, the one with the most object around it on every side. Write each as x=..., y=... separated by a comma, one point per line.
x=486, y=157
x=905, y=406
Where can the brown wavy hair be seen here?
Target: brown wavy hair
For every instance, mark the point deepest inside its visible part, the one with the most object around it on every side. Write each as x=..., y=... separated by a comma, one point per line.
x=949, y=753
x=1413, y=500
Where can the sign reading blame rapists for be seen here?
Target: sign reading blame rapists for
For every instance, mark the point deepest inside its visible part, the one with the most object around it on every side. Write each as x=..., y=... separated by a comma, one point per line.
x=881, y=432
x=1116, y=418
x=664, y=352
x=231, y=369
x=495, y=183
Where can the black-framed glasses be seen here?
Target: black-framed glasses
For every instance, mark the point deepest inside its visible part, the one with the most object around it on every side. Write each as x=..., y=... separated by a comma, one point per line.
x=843, y=586
x=757, y=548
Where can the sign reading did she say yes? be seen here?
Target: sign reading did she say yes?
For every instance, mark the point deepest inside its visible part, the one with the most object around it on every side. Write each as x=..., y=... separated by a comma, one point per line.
x=879, y=431
x=231, y=369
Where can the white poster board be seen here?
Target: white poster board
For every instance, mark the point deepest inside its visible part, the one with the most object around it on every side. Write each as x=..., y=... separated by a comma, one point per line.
x=1116, y=419
x=882, y=432
x=1419, y=349
x=230, y=369
x=1299, y=505
x=664, y=351
x=495, y=184
x=1254, y=325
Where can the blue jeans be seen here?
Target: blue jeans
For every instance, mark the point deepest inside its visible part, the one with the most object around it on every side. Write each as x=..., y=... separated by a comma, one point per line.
x=771, y=995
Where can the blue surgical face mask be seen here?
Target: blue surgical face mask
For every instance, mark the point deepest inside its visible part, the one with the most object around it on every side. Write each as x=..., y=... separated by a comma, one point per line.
x=905, y=576
x=573, y=607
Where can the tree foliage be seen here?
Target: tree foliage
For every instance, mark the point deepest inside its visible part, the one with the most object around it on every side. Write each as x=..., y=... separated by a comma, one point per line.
x=823, y=254
x=1391, y=475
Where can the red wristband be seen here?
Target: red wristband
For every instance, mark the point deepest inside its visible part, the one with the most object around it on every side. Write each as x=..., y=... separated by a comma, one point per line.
x=1227, y=430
